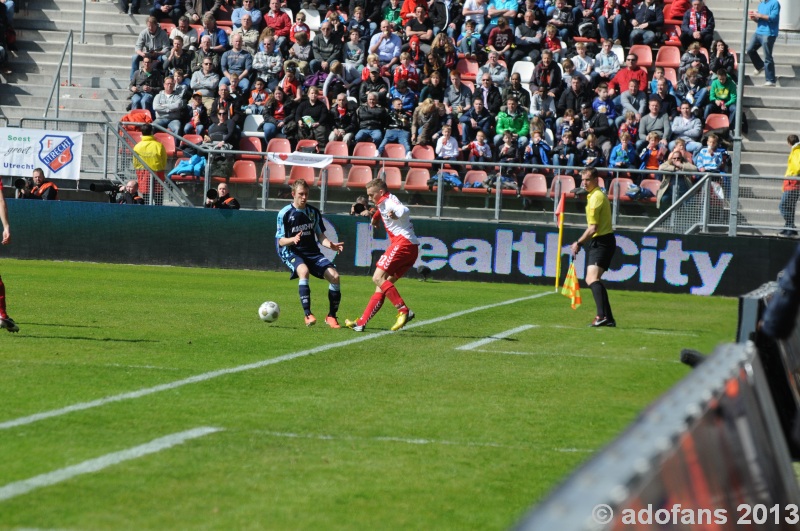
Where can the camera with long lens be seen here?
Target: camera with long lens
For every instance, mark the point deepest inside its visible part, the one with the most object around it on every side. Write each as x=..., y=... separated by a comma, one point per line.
x=212, y=194
x=23, y=184
x=109, y=188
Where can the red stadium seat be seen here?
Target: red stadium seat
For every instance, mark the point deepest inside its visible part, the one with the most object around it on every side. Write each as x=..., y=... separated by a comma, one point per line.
x=668, y=57
x=305, y=173
x=619, y=185
x=277, y=173
x=358, y=177
x=394, y=151
x=534, y=185
x=307, y=143
x=279, y=145
x=469, y=69
x=653, y=185
x=168, y=141
x=337, y=149
x=567, y=185
x=392, y=176
x=716, y=121
x=420, y=155
x=250, y=143
x=335, y=176
x=244, y=172
x=644, y=53
x=474, y=176
x=365, y=149
x=417, y=180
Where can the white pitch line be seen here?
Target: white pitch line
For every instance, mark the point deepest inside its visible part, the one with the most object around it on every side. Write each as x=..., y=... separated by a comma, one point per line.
x=81, y=406
x=416, y=441
x=90, y=365
x=19, y=488
x=495, y=337
x=569, y=355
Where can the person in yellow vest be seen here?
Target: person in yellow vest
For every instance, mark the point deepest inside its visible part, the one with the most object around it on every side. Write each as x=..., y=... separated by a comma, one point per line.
x=42, y=188
x=221, y=199
x=791, y=188
x=153, y=154
x=600, y=243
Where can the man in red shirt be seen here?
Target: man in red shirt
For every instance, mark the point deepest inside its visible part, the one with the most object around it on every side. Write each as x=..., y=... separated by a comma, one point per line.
x=620, y=82
x=280, y=23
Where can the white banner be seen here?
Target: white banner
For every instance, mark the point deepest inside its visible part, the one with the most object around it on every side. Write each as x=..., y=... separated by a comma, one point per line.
x=300, y=159
x=57, y=153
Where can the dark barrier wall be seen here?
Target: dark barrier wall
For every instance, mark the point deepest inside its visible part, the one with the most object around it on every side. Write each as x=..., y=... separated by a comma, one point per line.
x=701, y=265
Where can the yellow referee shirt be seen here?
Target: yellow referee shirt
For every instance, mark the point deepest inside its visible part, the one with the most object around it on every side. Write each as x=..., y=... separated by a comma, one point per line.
x=598, y=212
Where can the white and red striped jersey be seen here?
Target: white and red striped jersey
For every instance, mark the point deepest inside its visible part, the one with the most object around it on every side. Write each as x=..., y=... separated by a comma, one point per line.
x=400, y=227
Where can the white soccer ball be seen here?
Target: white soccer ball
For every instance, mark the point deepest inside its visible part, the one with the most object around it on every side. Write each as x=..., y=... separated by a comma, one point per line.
x=269, y=312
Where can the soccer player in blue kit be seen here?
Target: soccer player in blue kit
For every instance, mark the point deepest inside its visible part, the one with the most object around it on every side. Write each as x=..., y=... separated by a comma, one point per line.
x=300, y=227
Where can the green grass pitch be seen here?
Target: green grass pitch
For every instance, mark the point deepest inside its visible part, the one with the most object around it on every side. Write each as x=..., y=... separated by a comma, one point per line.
x=438, y=426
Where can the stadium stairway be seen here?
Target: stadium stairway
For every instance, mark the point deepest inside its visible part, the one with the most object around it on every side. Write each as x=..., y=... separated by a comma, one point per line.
x=101, y=65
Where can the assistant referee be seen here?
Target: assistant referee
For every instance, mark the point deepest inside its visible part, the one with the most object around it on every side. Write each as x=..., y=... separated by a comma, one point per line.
x=600, y=243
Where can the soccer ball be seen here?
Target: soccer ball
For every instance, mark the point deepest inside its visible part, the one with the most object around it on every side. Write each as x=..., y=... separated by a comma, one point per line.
x=269, y=312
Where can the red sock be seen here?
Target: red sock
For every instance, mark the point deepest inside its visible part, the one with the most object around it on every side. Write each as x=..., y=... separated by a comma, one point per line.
x=375, y=303
x=391, y=292
x=3, y=313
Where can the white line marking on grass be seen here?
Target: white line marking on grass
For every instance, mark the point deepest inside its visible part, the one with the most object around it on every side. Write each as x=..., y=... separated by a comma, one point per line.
x=81, y=406
x=19, y=488
x=638, y=331
x=569, y=355
x=72, y=364
x=408, y=440
x=495, y=337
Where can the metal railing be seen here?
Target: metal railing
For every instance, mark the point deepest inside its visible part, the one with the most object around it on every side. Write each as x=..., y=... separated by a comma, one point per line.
x=56, y=86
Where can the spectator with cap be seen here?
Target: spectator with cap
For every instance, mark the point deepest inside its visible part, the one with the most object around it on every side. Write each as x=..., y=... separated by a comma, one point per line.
x=374, y=83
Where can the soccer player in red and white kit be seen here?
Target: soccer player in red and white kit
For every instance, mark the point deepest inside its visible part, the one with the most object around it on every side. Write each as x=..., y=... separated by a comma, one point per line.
x=395, y=262
x=5, y=321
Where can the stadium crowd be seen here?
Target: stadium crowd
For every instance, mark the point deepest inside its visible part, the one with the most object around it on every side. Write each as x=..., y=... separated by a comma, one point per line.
x=522, y=81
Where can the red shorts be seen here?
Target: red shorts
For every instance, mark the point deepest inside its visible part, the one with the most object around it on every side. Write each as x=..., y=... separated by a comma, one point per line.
x=398, y=258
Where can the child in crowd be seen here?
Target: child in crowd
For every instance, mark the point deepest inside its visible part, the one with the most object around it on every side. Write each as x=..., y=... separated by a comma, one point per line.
x=583, y=63
x=712, y=158
x=623, y=155
x=299, y=25
x=543, y=106
x=479, y=150
x=658, y=74
x=408, y=71
x=569, y=123
x=372, y=60
x=258, y=96
x=470, y=41
x=198, y=116
x=359, y=23
x=354, y=54
x=508, y=149
x=447, y=147
x=552, y=42
x=566, y=151
x=604, y=104
x=537, y=151
x=391, y=13
x=475, y=11
x=183, y=87
x=630, y=125
x=654, y=154
x=591, y=155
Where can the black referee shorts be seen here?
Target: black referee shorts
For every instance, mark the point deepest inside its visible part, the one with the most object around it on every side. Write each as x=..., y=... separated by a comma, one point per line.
x=601, y=250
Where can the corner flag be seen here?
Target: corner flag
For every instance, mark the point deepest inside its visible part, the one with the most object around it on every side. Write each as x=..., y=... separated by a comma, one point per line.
x=571, y=288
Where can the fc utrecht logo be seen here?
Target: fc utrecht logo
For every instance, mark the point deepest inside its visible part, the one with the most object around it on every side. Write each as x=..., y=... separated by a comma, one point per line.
x=56, y=151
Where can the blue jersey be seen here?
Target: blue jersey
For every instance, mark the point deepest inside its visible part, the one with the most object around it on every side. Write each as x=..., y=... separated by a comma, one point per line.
x=292, y=220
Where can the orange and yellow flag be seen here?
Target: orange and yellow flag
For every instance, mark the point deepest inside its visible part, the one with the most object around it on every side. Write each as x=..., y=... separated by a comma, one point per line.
x=571, y=288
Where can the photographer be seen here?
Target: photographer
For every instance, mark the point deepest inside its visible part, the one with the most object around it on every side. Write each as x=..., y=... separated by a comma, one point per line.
x=221, y=198
x=129, y=194
x=40, y=188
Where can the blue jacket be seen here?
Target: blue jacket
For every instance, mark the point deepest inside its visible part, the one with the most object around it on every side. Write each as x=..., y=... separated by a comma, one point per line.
x=409, y=99
x=628, y=157
x=772, y=8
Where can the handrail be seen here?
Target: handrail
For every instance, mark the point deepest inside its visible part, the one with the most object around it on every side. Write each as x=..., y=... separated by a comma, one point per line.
x=56, y=88
x=701, y=183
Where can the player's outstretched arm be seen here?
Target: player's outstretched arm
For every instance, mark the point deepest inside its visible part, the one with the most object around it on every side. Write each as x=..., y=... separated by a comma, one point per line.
x=4, y=220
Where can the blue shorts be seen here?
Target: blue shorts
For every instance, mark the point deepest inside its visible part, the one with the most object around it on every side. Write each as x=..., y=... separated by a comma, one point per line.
x=317, y=264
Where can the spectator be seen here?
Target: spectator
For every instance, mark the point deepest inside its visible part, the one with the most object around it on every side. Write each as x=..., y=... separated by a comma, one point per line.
x=224, y=102
x=406, y=95
x=474, y=120
x=654, y=121
x=372, y=120
x=422, y=27
x=126, y=6
x=630, y=125
x=563, y=19
x=712, y=158
x=198, y=116
x=223, y=199
x=249, y=33
x=632, y=70
x=676, y=161
x=276, y=110
x=130, y=194
x=153, y=157
x=443, y=47
x=184, y=31
x=374, y=83
x=446, y=17
x=205, y=82
x=223, y=133
x=548, y=73
x=479, y=149
x=325, y=48
x=654, y=153
x=632, y=100
x=572, y=98
x=612, y=20
x=434, y=89
x=258, y=98
x=527, y=39
x=516, y=90
x=767, y=18
x=338, y=81
x=219, y=39
x=399, y=128
x=336, y=20
x=603, y=104
x=433, y=64
x=514, y=121
x=508, y=153
x=247, y=9
x=721, y=57
x=623, y=155
x=446, y=146
x=268, y=64
x=791, y=188
x=590, y=154
x=291, y=84
x=298, y=26
x=537, y=152
x=722, y=97
x=606, y=64
x=203, y=52
x=300, y=53
x=500, y=40
x=279, y=22
x=693, y=58
x=42, y=189
x=313, y=118
x=344, y=122
x=698, y=25
x=647, y=22
x=177, y=59
x=195, y=9
x=584, y=65
x=565, y=153
x=551, y=42
x=595, y=124
x=692, y=90
x=152, y=43
x=688, y=128
x=408, y=71
x=500, y=8
x=407, y=12
x=171, y=9
x=354, y=54
x=425, y=123
x=658, y=75
x=386, y=45
x=668, y=103
x=362, y=207
x=493, y=67
x=145, y=85
x=237, y=61
x=391, y=14
x=168, y=107
x=474, y=11
x=543, y=105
